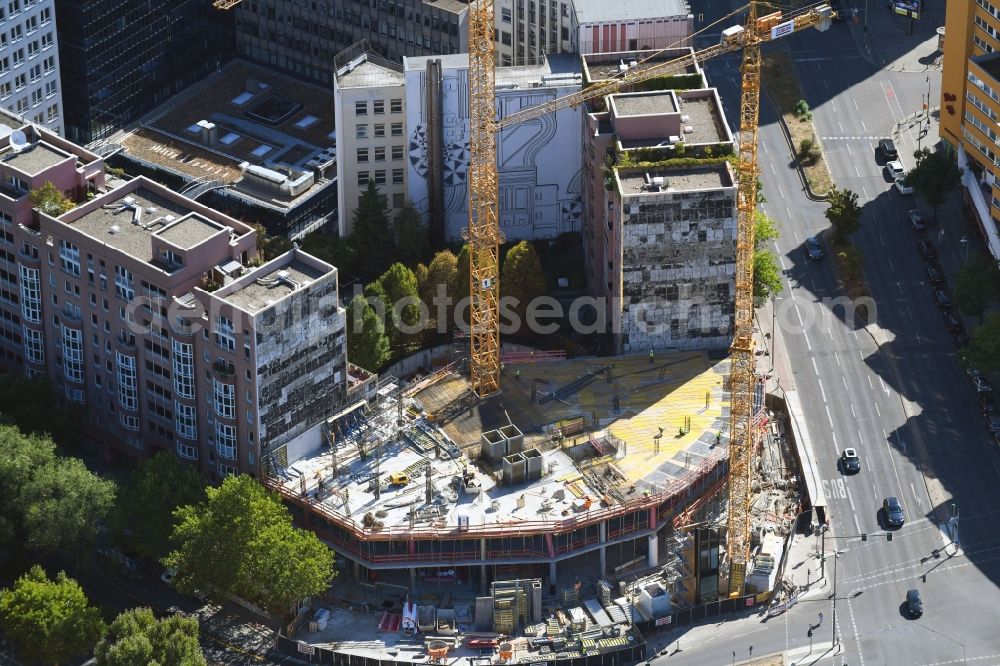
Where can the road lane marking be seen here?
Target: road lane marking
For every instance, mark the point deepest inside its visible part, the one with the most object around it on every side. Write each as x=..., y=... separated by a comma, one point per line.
x=884, y=387
x=763, y=144
x=772, y=168
x=798, y=313
x=891, y=460
x=863, y=190
x=840, y=124
x=900, y=287
x=915, y=496
x=837, y=358
x=798, y=239
x=835, y=440
x=857, y=170
x=845, y=383
x=782, y=193
x=850, y=498
x=823, y=393
x=828, y=417
x=908, y=313
x=865, y=127
x=857, y=527
x=781, y=260
x=834, y=105
x=853, y=99
x=880, y=239
x=870, y=385
x=861, y=440
x=815, y=367
x=851, y=153
x=877, y=410
x=852, y=411
x=808, y=344
x=891, y=267
x=825, y=84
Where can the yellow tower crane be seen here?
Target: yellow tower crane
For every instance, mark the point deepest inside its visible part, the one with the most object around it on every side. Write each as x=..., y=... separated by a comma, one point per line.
x=485, y=237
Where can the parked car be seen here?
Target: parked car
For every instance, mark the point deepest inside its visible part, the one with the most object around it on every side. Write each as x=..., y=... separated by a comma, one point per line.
x=933, y=274
x=904, y=189
x=916, y=220
x=914, y=606
x=927, y=250
x=942, y=299
x=982, y=384
x=850, y=462
x=986, y=402
x=952, y=323
x=888, y=149
x=993, y=422
x=893, y=512
x=895, y=169
x=814, y=248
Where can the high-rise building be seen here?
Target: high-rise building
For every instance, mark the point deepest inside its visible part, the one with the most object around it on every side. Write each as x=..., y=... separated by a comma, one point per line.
x=970, y=106
x=154, y=314
x=29, y=62
x=123, y=57
x=599, y=26
x=303, y=38
x=528, y=29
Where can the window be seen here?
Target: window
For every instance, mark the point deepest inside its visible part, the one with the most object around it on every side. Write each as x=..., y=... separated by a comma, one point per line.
x=20, y=81
x=183, y=369
x=16, y=33
x=380, y=154
x=35, y=72
x=187, y=451
x=5, y=90
x=396, y=129
x=53, y=113
x=362, y=155
x=123, y=283
x=49, y=64
x=397, y=153
x=361, y=131
x=505, y=14
x=13, y=7
x=186, y=420
x=69, y=258
x=72, y=340
x=225, y=399
x=74, y=395
x=45, y=15
x=127, y=392
x=225, y=337
x=51, y=88
x=129, y=422
x=31, y=24
x=227, y=470
x=378, y=107
x=380, y=177
x=33, y=48
x=34, y=346
x=396, y=105
x=5, y=61
x=36, y=96
x=361, y=108
x=46, y=40
x=31, y=294
x=397, y=176
x=225, y=441
x=363, y=178
x=379, y=131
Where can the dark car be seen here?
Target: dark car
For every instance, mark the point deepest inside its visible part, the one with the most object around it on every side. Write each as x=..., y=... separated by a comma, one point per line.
x=942, y=299
x=917, y=221
x=993, y=422
x=850, y=461
x=814, y=248
x=927, y=250
x=933, y=274
x=986, y=402
x=893, y=511
x=982, y=384
x=888, y=149
x=914, y=606
x=952, y=323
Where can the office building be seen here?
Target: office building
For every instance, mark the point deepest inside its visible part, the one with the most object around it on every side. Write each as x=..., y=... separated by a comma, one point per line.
x=29, y=63
x=528, y=29
x=123, y=57
x=970, y=107
x=599, y=26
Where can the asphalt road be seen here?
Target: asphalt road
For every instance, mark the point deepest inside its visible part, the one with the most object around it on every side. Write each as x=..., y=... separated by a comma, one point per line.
x=893, y=390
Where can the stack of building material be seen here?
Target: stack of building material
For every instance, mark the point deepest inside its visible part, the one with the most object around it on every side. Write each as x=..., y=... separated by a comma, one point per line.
x=597, y=612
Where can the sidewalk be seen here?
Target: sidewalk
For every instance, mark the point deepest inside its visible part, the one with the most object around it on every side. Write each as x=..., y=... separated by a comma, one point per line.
x=920, y=53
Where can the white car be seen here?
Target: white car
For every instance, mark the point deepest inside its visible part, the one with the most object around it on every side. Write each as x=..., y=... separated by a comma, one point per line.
x=903, y=188
x=895, y=169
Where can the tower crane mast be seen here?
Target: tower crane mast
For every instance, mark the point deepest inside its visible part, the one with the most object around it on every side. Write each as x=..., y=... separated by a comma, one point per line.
x=485, y=237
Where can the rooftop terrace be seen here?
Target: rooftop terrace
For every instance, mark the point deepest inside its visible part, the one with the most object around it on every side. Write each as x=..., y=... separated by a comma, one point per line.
x=603, y=66
x=263, y=287
x=638, y=181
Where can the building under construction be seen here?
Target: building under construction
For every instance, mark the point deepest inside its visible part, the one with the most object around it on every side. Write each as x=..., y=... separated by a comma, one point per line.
x=577, y=465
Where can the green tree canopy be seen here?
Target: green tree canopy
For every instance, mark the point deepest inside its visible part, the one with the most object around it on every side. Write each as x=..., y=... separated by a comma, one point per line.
x=49, y=620
x=934, y=177
x=367, y=344
x=522, y=277
x=983, y=351
x=412, y=244
x=34, y=407
x=269, y=247
x=50, y=200
x=977, y=284
x=766, y=270
x=137, y=637
x=146, y=505
x=442, y=272
x=332, y=249
x=48, y=501
x=400, y=287
x=372, y=241
x=241, y=541
x=844, y=215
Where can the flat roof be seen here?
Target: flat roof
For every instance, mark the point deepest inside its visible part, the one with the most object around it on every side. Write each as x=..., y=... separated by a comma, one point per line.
x=603, y=66
x=602, y=11
x=34, y=159
x=682, y=179
x=190, y=230
x=113, y=225
x=262, y=287
x=645, y=104
x=450, y=6
x=554, y=64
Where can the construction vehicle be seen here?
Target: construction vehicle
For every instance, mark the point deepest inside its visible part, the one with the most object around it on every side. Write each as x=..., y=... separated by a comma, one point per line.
x=399, y=478
x=484, y=235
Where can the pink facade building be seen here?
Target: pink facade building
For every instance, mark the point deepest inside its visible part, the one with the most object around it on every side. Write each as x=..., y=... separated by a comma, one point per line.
x=605, y=27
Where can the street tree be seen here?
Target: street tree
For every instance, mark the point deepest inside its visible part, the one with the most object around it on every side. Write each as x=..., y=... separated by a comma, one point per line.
x=442, y=273
x=844, y=215
x=372, y=242
x=269, y=247
x=412, y=244
x=977, y=284
x=49, y=620
x=50, y=200
x=983, y=351
x=766, y=270
x=522, y=277
x=334, y=250
x=137, y=637
x=403, y=303
x=367, y=344
x=20, y=456
x=934, y=177
x=146, y=504
x=241, y=541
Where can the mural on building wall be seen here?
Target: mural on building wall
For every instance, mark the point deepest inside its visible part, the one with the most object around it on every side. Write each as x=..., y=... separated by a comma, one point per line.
x=539, y=162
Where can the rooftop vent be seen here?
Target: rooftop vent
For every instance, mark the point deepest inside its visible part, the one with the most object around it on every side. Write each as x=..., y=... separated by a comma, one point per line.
x=688, y=129
x=114, y=229
x=151, y=210
x=685, y=119
x=283, y=275
x=128, y=201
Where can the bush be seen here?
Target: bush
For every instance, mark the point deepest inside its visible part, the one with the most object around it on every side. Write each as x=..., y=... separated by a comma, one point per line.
x=808, y=151
x=801, y=110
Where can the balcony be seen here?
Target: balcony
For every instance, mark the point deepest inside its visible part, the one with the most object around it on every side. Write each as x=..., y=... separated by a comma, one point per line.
x=224, y=369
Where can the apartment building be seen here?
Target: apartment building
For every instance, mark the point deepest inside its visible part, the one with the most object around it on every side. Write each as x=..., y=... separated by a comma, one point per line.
x=303, y=38
x=29, y=62
x=370, y=114
x=660, y=239
x=598, y=26
x=150, y=312
x=123, y=57
x=970, y=107
x=528, y=29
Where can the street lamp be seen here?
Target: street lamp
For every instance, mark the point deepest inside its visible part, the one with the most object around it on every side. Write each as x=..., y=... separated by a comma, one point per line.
x=965, y=248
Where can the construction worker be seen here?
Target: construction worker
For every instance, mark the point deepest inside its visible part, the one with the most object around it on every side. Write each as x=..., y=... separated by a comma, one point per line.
x=650, y=355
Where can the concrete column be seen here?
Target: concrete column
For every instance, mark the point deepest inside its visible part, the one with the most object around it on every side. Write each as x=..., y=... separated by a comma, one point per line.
x=552, y=572
x=356, y=569
x=483, y=586
x=413, y=579
x=653, y=553
x=603, y=536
